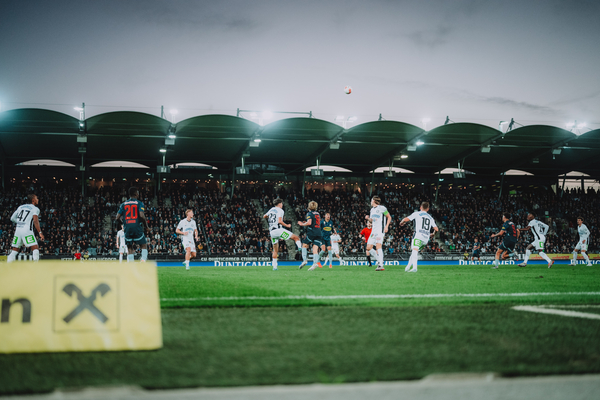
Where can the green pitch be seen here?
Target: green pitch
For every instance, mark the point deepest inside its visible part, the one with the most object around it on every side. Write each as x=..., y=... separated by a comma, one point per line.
x=253, y=326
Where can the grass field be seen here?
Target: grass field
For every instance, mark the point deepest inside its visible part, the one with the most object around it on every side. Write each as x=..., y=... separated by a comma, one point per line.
x=254, y=326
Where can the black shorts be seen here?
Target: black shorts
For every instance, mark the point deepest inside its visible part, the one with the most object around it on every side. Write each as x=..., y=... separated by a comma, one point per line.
x=316, y=240
x=476, y=253
x=508, y=245
x=326, y=242
x=134, y=235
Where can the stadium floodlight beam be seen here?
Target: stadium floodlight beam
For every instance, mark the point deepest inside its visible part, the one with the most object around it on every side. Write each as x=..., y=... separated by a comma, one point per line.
x=163, y=150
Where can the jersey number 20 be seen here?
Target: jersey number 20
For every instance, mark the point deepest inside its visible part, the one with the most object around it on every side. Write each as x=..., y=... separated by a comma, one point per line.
x=131, y=212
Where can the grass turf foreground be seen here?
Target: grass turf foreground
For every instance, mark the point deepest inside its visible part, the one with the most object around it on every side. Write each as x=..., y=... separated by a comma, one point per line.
x=250, y=346
x=216, y=342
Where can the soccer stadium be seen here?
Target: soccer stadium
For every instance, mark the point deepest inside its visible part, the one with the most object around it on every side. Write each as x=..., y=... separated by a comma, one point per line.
x=196, y=204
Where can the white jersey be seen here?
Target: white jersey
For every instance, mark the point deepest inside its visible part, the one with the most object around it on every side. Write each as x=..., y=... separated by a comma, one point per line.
x=584, y=232
x=539, y=229
x=23, y=217
x=189, y=227
x=423, y=223
x=335, y=239
x=121, y=238
x=273, y=216
x=377, y=215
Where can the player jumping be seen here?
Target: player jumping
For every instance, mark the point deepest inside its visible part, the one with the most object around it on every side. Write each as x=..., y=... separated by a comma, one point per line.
x=313, y=234
x=511, y=235
x=539, y=230
x=379, y=230
x=423, y=224
x=276, y=224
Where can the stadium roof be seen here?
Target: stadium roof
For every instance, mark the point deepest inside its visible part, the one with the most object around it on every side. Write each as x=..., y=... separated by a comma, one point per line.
x=294, y=144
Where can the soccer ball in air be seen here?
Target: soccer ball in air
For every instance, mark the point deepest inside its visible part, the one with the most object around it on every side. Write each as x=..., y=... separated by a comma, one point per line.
x=347, y=90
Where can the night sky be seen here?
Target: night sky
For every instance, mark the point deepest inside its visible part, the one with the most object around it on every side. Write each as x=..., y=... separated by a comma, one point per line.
x=477, y=61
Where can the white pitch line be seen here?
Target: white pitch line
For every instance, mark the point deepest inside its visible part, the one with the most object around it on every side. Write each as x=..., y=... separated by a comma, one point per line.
x=384, y=296
x=564, y=313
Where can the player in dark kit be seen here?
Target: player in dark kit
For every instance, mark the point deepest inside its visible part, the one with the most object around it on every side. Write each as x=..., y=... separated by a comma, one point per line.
x=326, y=230
x=511, y=235
x=135, y=223
x=313, y=235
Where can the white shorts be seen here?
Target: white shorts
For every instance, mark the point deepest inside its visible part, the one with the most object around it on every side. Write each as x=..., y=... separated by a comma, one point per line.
x=280, y=234
x=375, y=238
x=335, y=249
x=24, y=237
x=189, y=243
x=418, y=242
x=123, y=249
x=539, y=244
x=582, y=246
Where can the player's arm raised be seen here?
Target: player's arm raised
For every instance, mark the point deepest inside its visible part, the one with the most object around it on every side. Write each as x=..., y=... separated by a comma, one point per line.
x=36, y=223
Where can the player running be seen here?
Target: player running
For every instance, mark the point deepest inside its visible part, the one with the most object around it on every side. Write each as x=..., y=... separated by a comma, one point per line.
x=476, y=250
x=511, y=235
x=379, y=230
x=326, y=230
x=539, y=230
x=335, y=246
x=423, y=224
x=186, y=228
x=275, y=218
x=135, y=224
x=582, y=245
x=121, y=245
x=366, y=233
x=313, y=235
x=26, y=217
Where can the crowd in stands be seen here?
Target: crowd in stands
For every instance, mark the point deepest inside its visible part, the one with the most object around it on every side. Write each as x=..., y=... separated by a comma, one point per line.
x=233, y=224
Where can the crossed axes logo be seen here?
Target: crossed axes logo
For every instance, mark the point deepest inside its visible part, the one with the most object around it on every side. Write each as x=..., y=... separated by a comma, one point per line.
x=86, y=302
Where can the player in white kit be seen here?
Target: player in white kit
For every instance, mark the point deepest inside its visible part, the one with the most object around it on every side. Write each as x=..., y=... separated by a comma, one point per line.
x=539, y=230
x=121, y=245
x=335, y=245
x=423, y=224
x=26, y=217
x=378, y=212
x=187, y=228
x=275, y=218
x=584, y=241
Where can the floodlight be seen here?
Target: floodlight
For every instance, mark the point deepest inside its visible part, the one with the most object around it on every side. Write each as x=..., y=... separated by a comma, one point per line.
x=163, y=149
x=404, y=156
x=172, y=136
x=334, y=145
x=556, y=151
x=419, y=143
x=411, y=147
x=486, y=149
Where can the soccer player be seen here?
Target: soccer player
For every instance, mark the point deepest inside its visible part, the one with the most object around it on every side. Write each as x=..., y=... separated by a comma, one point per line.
x=26, y=217
x=423, y=224
x=313, y=234
x=476, y=250
x=539, y=230
x=121, y=245
x=326, y=230
x=276, y=224
x=135, y=223
x=511, y=235
x=378, y=212
x=186, y=228
x=366, y=233
x=582, y=245
x=335, y=245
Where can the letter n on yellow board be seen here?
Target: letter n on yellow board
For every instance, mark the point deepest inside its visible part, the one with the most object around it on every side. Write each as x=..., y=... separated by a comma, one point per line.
x=65, y=306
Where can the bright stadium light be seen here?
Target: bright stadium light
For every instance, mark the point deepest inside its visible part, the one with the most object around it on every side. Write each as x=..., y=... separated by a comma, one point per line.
x=163, y=149
x=419, y=143
x=404, y=156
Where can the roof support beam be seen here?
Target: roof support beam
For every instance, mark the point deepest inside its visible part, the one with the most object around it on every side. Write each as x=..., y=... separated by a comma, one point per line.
x=390, y=155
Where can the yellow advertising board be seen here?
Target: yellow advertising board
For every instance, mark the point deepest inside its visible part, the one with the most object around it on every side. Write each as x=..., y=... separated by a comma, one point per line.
x=57, y=306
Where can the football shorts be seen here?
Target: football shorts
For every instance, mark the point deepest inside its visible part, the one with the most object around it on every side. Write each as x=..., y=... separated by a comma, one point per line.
x=24, y=237
x=316, y=240
x=582, y=246
x=335, y=249
x=280, y=234
x=508, y=245
x=419, y=241
x=189, y=243
x=539, y=244
x=375, y=238
x=123, y=249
